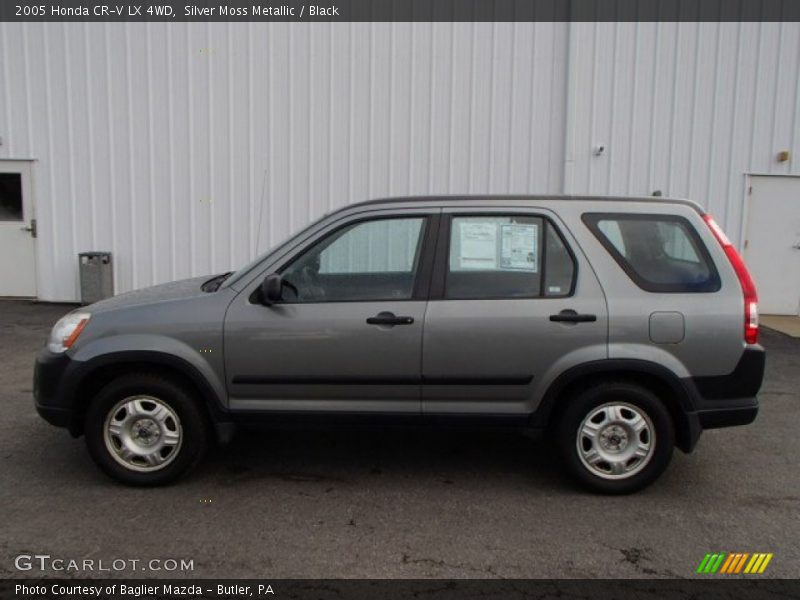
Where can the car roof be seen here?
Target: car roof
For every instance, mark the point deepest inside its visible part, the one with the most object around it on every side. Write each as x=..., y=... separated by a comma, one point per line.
x=505, y=197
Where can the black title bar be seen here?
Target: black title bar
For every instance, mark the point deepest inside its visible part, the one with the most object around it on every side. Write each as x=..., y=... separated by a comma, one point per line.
x=716, y=588
x=398, y=10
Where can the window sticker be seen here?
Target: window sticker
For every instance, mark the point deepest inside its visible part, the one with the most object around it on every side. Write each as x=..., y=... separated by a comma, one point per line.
x=478, y=245
x=520, y=247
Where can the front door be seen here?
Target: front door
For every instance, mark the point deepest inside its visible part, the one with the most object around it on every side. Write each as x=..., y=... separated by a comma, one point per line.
x=17, y=230
x=772, y=243
x=512, y=302
x=347, y=335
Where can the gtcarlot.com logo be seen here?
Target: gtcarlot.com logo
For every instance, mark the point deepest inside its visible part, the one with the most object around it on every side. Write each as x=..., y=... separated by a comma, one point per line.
x=732, y=563
x=45, y=562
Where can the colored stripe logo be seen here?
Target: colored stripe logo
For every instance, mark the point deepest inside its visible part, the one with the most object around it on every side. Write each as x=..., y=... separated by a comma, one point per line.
x=733, y=563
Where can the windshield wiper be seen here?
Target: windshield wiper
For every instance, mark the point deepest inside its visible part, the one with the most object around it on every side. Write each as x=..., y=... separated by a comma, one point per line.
x=212, y=285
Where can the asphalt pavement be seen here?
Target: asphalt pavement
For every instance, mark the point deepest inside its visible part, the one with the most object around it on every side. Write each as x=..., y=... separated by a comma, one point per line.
x=393, y=503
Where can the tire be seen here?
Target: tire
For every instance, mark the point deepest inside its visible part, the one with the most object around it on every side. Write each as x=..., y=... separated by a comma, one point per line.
x=616, y=437
x=145, y=429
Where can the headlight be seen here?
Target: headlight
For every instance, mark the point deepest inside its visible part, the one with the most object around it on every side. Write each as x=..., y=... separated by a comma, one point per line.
x=67, y=330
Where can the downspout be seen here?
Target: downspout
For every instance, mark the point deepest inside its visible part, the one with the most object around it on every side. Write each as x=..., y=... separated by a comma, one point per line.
x=569, y=118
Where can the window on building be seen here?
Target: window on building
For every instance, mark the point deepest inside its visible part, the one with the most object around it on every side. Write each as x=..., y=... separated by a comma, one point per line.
x=10, y=197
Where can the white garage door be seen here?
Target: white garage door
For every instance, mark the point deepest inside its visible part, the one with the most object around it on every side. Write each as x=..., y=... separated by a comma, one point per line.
x=772, y=242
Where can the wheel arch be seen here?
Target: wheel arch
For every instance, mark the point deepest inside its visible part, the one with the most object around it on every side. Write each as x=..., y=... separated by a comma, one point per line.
x=657, y=378
x=94, y=374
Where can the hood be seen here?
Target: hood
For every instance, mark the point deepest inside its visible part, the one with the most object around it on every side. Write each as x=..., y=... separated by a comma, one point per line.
x=176, y=290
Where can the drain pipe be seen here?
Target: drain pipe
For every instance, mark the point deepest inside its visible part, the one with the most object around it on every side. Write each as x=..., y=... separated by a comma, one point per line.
x=567, y=186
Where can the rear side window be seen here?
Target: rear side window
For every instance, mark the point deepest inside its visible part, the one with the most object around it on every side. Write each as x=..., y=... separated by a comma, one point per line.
x=507, y=256
x=660, y=253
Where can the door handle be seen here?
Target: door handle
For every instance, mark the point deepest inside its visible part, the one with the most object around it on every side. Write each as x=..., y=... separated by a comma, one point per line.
x=31, y=229
x=387, y=318
x=570, y=316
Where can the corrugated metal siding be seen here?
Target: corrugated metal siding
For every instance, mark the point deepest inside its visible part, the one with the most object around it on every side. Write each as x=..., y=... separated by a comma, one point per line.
x=188, y=148
x=685, y=108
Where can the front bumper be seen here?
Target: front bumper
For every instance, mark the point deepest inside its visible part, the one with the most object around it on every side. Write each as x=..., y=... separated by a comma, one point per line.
x=49, y=388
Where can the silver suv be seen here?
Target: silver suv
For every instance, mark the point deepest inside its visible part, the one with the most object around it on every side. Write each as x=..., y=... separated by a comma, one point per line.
x=622, y=327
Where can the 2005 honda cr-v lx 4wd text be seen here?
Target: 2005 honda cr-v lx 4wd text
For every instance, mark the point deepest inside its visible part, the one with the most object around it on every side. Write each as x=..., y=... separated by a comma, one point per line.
x=622, y=327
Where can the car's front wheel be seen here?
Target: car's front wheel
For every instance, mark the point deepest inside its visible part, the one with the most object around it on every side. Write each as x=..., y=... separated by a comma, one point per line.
x=145, y=429
x=616, y=437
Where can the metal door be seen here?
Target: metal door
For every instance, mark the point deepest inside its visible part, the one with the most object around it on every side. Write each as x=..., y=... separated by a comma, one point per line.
x=17, y=230
x=772, y=242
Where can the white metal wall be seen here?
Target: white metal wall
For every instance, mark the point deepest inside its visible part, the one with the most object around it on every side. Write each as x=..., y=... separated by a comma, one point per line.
x=685, y=108
x=187, y=148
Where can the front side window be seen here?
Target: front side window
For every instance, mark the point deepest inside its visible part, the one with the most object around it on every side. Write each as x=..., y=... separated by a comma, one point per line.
x=365, y=261
x=511, y=256
x=660, y=253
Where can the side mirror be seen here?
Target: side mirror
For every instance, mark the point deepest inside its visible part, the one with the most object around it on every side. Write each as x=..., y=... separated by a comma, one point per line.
x=271, y=289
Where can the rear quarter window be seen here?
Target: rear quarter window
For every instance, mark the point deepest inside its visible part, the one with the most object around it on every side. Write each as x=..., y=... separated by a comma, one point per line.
x=660, y=253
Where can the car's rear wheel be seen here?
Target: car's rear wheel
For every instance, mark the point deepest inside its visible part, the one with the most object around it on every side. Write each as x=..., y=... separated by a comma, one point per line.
x=145, y=429
x=616, y=437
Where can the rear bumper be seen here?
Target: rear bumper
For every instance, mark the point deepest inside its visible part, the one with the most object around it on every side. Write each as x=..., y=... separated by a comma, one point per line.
x=728, y=417
x=743, y=382
x=726, y=400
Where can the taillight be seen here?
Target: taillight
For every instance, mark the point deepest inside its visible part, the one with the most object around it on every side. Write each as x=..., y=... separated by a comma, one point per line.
x=748, y=287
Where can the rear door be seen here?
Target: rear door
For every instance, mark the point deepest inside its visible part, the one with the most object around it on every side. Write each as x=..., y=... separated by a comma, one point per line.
x=513, y=303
